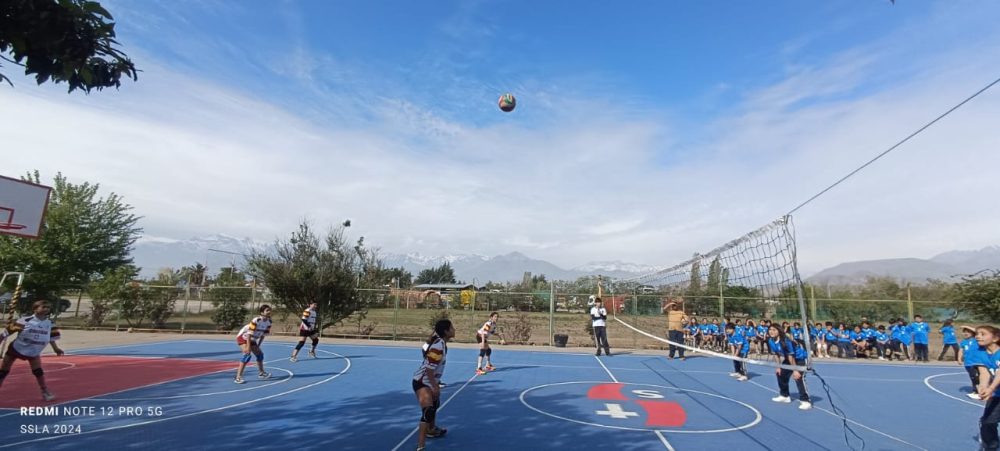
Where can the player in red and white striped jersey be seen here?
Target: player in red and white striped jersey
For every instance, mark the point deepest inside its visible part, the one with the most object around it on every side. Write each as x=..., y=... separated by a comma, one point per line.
x=250, y=338
x=483, y=338
x=307, y=328
x=425, y=380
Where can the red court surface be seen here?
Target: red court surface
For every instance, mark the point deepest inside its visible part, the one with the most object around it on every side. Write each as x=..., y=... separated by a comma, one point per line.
x=83, y=376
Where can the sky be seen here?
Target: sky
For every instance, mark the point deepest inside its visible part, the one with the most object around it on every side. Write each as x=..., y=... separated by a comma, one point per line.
x=644, y=131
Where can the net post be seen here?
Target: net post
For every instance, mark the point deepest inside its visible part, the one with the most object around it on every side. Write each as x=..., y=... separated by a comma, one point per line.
x=552, y=313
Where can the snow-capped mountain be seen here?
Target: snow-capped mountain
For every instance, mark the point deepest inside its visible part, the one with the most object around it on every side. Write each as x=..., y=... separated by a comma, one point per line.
x=152, y=253
x=616, y=266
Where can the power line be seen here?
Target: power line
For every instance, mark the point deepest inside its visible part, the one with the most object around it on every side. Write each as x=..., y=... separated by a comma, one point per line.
x=895, y=145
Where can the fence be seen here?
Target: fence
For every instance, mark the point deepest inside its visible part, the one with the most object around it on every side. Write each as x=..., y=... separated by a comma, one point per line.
x=526, y=317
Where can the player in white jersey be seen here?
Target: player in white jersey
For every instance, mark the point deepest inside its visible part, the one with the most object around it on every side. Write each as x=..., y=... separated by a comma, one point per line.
x=307, y=328
x=250, y=338
x=483, y=338
x=33, y=334
x=426, y=380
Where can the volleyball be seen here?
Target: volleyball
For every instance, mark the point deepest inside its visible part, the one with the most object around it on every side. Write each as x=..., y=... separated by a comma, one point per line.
x=507, y=103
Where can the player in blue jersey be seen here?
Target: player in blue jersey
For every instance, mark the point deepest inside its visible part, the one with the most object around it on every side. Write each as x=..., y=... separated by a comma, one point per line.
x=988, y=338
x=740, y=345
x=970, y=356
x=788, y=352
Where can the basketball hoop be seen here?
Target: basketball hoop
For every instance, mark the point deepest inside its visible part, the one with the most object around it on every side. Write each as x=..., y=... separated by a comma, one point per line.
x=11, y=226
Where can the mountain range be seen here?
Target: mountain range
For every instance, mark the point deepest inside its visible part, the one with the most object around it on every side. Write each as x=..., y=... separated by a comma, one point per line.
x=153, y=254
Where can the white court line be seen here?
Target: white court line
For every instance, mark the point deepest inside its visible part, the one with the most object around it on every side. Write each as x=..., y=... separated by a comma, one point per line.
x=16, y=411
x=927, y=382
x=217, y=409
x=848, y=420
x=663, y=439
x=414, y=431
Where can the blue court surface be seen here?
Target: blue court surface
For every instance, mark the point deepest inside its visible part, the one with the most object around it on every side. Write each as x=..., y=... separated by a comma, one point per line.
x=358, y=397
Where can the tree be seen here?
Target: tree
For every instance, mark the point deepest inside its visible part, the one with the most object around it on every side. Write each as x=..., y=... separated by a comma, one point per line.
x=107, y=290
x=84, y=235
x=694, y=283
x=715, y=281
x=306, y=269
x=981, y=293
x=70, y=41
x=403, y=277
x=440, y=274
x=229, y=295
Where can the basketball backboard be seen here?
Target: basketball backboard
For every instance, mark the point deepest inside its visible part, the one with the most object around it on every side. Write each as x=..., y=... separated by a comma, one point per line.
x=22, y=207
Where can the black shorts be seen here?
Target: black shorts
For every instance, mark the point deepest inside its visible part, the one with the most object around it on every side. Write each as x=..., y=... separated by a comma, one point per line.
x=307, y=333
x=479, y=339
x=417, y=385
x=17, y=355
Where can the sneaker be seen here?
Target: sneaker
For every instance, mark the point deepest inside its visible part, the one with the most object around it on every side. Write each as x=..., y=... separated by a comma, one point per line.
x=784, y=399
x=683, y=359
x=973, y=395
x=47, y=396
x=480, y=372
x=239, y=380
x=734, y=374
x=489, y=367
x=805, y=405
x=881, y=358
x=436, y=432
x=313, y=354
x=293, y=359
x=598, y=353
x=442, y=384
x=742, y=378
x=264, y=375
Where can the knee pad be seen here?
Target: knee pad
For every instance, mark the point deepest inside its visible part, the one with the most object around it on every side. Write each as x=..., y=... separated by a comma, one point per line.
x=489, y=351
x=437, y=404
x=245, y=358
x=428, y=414
x=3, y=374
x=38, y=372
x=260, y=357
x=482, y=353
x=315, y=342
x=300, y=345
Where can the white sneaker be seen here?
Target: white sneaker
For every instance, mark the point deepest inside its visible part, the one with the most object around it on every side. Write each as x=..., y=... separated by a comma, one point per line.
x=293, y=359
x=742, y=378
x=881, y=358
x=734, y=374
x=784, y=399
x=46, y=396
x=313, y=354
x=263, y=375
x=973, y=395
x=805, y=405
x=238, y=380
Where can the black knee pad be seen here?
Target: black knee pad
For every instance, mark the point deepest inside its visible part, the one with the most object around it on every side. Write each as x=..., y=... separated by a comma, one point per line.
x=489, y=351
x=429, y=413
x=300, y=345
x=315, y=342
x=437, y=404
x=3, y=374
x=482, y=353
x=38, y=372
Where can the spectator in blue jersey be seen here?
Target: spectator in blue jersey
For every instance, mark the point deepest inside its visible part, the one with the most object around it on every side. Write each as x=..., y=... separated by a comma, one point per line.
x=750, y=331
x=762, y=328
x=868, y=334
x=901, y=338
x=948, y=339
x=716, y=334
x=844, y=347
x=817, y=339
x=859, y=342
x=988, y=338
x=881, y=342
x=788, y=352
x=830, y=339
x=796, y=331
x=970, y=356
x=693, y=333
x=920, y=330
x=740, y=345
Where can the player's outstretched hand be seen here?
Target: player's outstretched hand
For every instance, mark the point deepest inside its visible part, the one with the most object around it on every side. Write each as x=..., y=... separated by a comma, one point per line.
x=60, y=352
